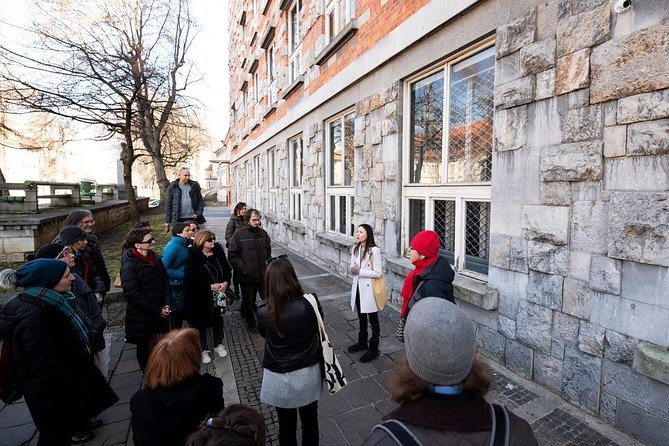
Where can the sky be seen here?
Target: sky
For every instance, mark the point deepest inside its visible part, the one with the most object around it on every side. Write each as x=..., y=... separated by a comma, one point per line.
x=209, y=54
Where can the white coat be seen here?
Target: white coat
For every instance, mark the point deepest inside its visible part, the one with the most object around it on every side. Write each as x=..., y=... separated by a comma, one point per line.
x=364, y=279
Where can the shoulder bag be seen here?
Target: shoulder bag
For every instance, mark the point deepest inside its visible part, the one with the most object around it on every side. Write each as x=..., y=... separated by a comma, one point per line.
x=379, y=287
x=333, y=373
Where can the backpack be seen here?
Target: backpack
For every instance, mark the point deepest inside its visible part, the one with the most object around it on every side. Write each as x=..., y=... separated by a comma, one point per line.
x=499, y=433
x=9, y=388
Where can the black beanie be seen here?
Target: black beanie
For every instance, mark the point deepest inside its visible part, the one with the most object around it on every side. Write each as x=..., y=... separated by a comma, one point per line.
x=70, y=234
x=44, y=273
x=49, y=251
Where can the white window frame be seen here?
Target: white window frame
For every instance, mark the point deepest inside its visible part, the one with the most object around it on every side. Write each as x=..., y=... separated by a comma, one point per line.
x=339, y=22
x=271, y=75
x=256, y=87
x=245, y=101
x=272, y=184
x=460, y=193
x=295, y=42
x=296, y=193
x=257, y=182
x=338, y=191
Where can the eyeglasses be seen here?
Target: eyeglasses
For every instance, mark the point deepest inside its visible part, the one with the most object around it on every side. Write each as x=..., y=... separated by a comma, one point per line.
x=213, y=239
x=247, y=430
x=66, y=251
x=271, y=259
x=151, y=240
x=88, y=222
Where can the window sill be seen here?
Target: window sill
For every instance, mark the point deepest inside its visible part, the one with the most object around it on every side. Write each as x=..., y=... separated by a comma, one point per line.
x=269, y=110
x=290, y=89
x=336, y=241
x=270, y=217
x=336, y=43
x=295, y=226
x=652, y=361
x=466, y=289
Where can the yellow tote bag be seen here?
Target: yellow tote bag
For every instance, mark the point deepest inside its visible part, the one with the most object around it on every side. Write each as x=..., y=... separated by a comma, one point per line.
x=379, y=288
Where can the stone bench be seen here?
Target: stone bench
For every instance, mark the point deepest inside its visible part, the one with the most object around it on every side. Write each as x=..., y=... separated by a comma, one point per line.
x=18, y=204
x=71, y=198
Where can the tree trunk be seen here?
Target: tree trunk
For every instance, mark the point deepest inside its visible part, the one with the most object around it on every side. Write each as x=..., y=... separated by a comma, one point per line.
x=161, y=177
x=128, y=158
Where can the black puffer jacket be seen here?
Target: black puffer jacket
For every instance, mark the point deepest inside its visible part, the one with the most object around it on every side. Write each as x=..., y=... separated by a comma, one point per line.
x=147, y=291
x=435, y=281
x=165, y=417
x=57, y=376
x=248, y=251
x=300, y=344
x=200, y=272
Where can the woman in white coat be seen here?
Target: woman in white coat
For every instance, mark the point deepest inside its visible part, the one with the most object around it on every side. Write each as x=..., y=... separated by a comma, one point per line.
x=366, y=263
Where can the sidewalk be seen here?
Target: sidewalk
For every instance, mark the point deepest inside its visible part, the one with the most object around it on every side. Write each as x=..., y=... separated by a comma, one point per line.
x=346, y=417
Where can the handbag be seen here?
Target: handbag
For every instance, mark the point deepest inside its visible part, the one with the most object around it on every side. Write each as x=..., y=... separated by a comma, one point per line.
x=333, y=373
x=9, y=388
x=400, y=329
x=379, y=288
x=117, y=281
x=154, y=338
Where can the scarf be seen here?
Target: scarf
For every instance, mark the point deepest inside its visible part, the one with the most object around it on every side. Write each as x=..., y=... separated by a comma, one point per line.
x=64, y=302
x=411, y=282
x=149, y=258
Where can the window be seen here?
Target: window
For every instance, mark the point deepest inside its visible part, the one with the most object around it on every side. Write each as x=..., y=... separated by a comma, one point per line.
x=341, y=174
x=271, y=75
x=295, y=41
x=296, y=160
x=247, y=180
x=271, y=180
x=256, y=87
x=245, y=102
x=447, y=185
x=257, y=193
x=338, y=14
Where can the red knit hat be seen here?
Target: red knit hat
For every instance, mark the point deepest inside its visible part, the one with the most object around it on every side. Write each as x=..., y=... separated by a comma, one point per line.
x=426, y=243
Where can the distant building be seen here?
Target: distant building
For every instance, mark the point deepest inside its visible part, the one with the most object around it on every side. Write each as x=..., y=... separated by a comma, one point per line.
x=532, y=136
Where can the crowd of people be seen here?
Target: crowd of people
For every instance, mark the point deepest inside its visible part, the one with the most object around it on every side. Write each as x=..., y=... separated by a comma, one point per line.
x=56, y=330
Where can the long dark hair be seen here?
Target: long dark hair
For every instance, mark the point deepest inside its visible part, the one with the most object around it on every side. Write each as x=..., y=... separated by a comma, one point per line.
x=281, y=286
x=369, y=243
x=238, y=206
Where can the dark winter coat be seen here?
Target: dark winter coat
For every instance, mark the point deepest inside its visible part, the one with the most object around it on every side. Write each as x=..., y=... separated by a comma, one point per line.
x=62, y=387
x=86, y=300
x=234, y=224
x=165, y=417
x=248, y=251
x=435, y=281
x=300, y=345
x=84, y=267
x=201, y=271
x=146, y=291
x=451, y=420
x=173, y=202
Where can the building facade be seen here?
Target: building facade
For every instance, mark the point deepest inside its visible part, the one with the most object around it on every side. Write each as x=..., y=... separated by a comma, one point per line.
x=533, y=137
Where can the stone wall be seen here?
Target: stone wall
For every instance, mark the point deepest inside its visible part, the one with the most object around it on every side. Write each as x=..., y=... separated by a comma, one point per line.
x=580, y=209
x=22, y=235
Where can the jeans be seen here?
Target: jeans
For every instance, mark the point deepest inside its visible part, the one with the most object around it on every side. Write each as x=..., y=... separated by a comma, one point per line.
x=288, y=425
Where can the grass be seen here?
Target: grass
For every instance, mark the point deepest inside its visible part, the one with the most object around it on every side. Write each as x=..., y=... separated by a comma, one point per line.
x=110, y=241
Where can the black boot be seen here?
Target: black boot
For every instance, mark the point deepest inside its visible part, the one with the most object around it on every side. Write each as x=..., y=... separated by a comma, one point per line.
x=369, y=355
x=373, y=350
x=357, y=347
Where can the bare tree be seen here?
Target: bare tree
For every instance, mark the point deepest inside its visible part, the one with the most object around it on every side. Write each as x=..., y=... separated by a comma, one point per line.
x=113, y=63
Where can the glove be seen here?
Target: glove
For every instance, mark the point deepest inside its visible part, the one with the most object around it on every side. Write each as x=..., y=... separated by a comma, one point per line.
x=99, y=297
x=355, y=270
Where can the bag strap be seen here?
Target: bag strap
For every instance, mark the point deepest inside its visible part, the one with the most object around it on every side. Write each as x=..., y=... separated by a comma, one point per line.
x=499, y=434
x=321, y=326
x=399, y=433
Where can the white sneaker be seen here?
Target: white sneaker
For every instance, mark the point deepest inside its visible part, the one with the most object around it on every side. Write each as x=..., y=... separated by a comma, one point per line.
x=221, y=351
x=206, y=359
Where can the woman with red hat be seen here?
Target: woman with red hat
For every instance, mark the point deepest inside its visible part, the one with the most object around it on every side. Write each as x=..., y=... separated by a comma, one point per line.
x=431, y=277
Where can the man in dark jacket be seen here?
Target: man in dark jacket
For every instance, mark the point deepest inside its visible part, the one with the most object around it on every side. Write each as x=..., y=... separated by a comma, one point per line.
x=184, y=200
x=248, y=251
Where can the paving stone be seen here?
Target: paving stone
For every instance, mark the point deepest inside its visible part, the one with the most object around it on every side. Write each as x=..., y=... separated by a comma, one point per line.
x=329, y=433
x=508, y=392
x=356, y=424
x=363, y=391
x=17, y=435
x=329, y=406
x=561, y=429
x=126, y=379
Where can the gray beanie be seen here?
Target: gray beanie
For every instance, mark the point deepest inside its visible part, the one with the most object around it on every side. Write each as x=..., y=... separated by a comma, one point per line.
x=439, y=341
x=70, y=234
